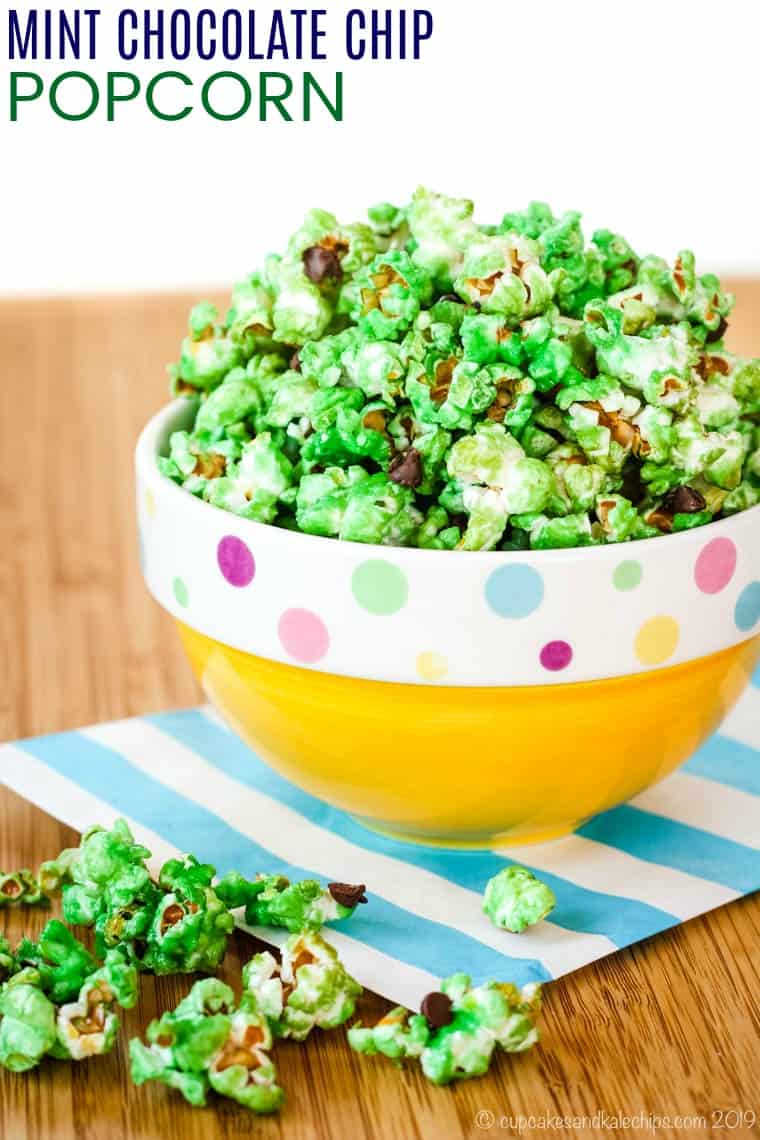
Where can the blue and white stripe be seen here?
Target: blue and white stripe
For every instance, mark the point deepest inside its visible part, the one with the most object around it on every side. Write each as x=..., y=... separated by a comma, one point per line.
x=185, y=783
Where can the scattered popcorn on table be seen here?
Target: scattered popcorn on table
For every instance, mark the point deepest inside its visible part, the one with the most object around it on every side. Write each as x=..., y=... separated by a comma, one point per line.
x=458, y=1028
x=310, y=988
x=515, y=899
x=425, y=380
x=36, y=1019
x=206, y=1042
x=60, y=959
x=20, y=886
x=271, y=900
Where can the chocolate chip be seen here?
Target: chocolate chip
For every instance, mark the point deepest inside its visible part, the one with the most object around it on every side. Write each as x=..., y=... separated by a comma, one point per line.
x=717, y=334
x=406, y=468
x=348, y=894
x=294, y=364
x=683, y=501
x=321, y=264
x=436, y=1009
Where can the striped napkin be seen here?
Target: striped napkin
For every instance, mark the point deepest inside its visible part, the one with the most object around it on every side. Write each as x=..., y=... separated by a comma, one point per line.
x=186, y=783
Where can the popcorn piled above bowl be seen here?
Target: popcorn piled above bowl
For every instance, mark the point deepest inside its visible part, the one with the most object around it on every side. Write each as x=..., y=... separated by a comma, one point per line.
x=424, y=380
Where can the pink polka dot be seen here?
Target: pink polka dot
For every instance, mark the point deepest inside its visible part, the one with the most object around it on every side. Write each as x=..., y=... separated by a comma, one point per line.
x=235, y=560
x=303, y=636
x=715, y=565
x=556, y=655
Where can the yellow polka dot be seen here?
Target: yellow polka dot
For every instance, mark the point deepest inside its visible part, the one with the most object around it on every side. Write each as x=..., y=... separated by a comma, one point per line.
x=656, y=641
x=431, y=666
x=150, y=502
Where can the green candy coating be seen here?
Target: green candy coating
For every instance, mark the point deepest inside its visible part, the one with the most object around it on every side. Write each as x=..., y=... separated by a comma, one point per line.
x=416, y=332
x=515, y=899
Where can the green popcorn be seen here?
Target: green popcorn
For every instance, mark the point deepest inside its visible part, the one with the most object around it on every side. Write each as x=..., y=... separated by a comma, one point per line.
x=664, y=354
x=388, y=223
x=746, y=495
x=191, y=924
x=441, y=229
x=323, y=361
x=578, y=482
x=618, y=517
x=488, y=339
x=53, y=873
x=328, y=250
x=88, y=1026
x=326, y=403
x=377, y=367
x=504, y=276
x=301, y=310
x=359, y=359
x=107, y=867
x=498, y=480
x=236, y=398
x=20, y=886
x=458, y=1029
x=619, y=262
x=310, y=988
x=393, y=289
x=380, y=511
x=437, y=532
x=249, y=320
x=530, y=223
x=561, y=533
x=243, y=1070
x=60, y=960
x=208, y=353
x=27, y=1022
x=207, y=1043
x=7, y=960
x=256, y=483
x=398, y=1035
x=291, y=400
x=515, y=899
x=304, y=905
x=322, y=499
x=235, y=890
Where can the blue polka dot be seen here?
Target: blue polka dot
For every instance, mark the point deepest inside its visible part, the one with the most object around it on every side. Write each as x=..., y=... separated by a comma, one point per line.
x=514, y=591
x=747, y=613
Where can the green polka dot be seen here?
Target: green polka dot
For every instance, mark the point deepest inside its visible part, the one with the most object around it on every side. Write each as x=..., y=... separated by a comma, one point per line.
x=380, y=587
x=180, y=592
x=627, y=575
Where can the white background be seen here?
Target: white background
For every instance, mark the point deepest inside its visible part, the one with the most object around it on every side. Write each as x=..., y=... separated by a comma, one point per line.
x=642, y=115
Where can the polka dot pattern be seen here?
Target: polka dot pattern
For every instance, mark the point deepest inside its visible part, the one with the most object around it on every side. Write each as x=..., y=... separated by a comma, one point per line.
x=235, y=561
x=380, y=587
x=515, y=591
x=627, y=575
x=715, y=565
x=657, y=640
x=181, y=593
x=449, y=618
x=556, y=655
x=431, y=666
x=303, y=635
x=747, y=612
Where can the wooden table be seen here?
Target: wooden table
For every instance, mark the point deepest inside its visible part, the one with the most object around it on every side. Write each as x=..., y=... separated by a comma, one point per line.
x=671, y=1027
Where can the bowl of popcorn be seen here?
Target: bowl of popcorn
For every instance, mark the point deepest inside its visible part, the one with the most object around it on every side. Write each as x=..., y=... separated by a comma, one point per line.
x=460, y=522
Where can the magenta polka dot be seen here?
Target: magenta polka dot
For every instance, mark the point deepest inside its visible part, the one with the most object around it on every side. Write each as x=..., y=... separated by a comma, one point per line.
x=235, y=561
x=303, y=635
x=556, y=655
x=715, y=565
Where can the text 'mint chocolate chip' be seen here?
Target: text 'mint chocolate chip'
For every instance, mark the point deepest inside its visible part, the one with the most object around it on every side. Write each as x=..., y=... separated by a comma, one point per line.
x=406, y=468
x=436, y=1009
x=348, y=894
x=320, y=264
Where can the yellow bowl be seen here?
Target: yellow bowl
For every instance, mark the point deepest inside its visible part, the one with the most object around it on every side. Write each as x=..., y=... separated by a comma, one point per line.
x=470, y=766
x=456, y=698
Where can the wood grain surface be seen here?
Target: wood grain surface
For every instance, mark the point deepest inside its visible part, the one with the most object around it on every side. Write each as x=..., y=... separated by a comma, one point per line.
x=669, y=1028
